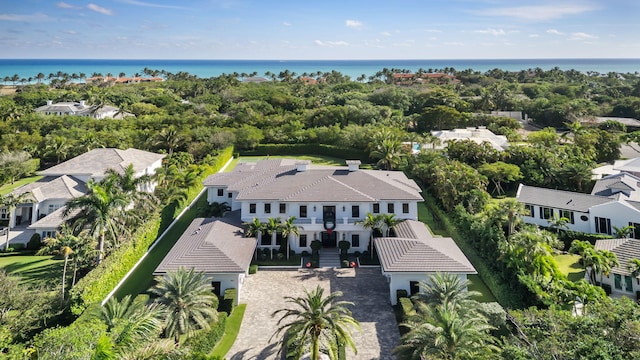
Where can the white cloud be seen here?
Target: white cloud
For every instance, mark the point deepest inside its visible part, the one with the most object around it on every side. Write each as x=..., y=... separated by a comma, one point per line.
x=385, y=33
x=434, y=31
x=353, y=24
x=454, y=43
x=71, y=32
x=99, y=9
x=148, y=4
x=534, y=35
x=582, y=36
x=21, y=17
x=406, y=43
x=64, y=5
x=554, y=32
x=494, y=32
x=331, y=43
x=537, y=13
x=286, y=23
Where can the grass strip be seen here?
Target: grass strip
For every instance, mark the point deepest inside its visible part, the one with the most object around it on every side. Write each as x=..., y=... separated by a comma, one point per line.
x=230, y=332
x=7, y=188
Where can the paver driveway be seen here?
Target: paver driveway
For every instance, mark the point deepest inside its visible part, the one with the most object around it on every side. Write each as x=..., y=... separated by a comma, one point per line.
x=264, y=293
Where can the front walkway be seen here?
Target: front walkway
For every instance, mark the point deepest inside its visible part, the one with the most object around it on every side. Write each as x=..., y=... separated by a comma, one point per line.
x=264, y=293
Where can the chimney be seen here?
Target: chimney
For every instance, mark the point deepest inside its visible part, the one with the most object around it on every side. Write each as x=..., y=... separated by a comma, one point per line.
x=353, y=165
x=82, y=103
x=49, y=102
x=302, y=165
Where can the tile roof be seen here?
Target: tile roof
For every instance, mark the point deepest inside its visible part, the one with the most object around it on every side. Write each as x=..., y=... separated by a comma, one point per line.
x=622, y=183
x=94, y=163
x=213, y=246
x=53, y=220
x=54, y=187
x=416, y=250
x=625, y=250
x=279, y=180
x=559, y=199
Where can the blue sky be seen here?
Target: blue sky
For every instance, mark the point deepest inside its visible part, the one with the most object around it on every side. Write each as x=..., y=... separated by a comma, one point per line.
x=319, y=29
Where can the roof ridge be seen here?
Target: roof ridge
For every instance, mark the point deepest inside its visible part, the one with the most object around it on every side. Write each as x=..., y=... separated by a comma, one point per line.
x=317, y=181
x=351, y=187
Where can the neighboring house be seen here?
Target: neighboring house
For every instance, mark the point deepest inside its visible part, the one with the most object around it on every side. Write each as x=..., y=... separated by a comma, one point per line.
x=613, y=202
x=596, y=120
x=620, y=278
x=327, y=201
x=479, y=135
x=629, y=166
x=122, y=80
x=216, y=247
x=414, y=254
x=67, y=180
x=254, y=79
x=81, y=109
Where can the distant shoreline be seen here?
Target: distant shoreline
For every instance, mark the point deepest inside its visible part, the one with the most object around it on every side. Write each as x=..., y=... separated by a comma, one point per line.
x=203, y=68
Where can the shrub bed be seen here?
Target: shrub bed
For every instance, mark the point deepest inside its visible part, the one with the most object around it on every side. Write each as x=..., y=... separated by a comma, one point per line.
x=204, y=341
x=228, y=302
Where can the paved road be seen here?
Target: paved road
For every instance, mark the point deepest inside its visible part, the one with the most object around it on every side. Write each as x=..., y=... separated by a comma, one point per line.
x=263, y=293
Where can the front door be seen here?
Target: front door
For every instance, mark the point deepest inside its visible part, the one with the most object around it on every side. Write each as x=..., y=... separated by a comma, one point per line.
x=329, y=240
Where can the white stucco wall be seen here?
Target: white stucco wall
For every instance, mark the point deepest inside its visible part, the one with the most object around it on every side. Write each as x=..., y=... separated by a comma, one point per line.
x=402, y=281
x=620, y=214
x=578, y=225
x=623, y=290
x=229, y=281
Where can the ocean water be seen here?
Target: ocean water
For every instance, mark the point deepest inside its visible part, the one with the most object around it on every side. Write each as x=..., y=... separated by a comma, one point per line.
x=26, y=68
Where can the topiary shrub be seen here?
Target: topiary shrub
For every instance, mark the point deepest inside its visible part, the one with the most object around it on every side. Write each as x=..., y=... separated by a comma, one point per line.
x=345, y=263
x=401, y=294
x=19, y=247
x=305, y=253
x=495, y=314
x=253, y=269
x=357, y=254
x=35, y=243
x=344, y=247
x=316, y=245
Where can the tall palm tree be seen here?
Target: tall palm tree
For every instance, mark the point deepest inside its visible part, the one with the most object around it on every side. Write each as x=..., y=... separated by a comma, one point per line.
x=64, y=243
x=288, y=227
x=389, y=153
x=99, y=211
x=447, y=288
x=317, y=323
x=443, y=332
x=189, y=301
x=387, y=222
x=11, y=201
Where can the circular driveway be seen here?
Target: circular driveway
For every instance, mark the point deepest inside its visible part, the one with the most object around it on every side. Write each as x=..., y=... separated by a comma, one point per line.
x=264, y=293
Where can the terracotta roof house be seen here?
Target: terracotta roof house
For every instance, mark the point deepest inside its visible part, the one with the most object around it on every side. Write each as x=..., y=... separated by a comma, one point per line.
x=67, y=180
x=613, y=202
x=216, y=247
x=329, y=203
x=620, y=279
x=81, y=109
x=414, y=254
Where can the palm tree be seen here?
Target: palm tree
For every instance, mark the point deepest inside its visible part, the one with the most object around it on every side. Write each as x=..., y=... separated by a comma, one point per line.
x=99, y=211
x=387, y=222
x=317, y=324
x=170, y=138
x=64, y=243
x=443, y=332
x=634, y=267
x=448, y=288
x=217, y=209
x=11, y=201
x=390, y=154
x=190, y=303
x=288, y=227
x=371, y=222
x=623, y=232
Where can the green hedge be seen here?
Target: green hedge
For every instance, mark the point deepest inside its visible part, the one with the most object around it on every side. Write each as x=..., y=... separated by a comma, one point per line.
x=97, y=284
x=228, y=302
x=499, y=289
x=306, y=149
x=204, y=341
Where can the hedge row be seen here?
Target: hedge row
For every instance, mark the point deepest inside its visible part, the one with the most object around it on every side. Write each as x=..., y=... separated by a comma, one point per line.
x=204, y=341
x=306, y=149
x=228, y=301
x=500, y=290
x=97, y=284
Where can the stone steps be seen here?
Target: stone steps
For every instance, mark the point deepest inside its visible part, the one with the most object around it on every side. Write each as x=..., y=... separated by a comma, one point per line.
x=329, y=258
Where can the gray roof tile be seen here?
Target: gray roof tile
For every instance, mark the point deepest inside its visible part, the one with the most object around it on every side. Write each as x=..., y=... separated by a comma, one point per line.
x=625, y=250
x=416, y=250
x=213, y=246
x=52, y=187
x=559, y=199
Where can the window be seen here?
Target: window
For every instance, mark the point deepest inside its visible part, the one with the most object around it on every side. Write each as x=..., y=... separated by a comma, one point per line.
x=303, y=211
x=229, y=195
x=376, y=208
x=252, y=208
x=355, y=240
x=390, y=208
x=529, y=210
x=603, y=225
x=355, y=211
x=279, y=238
x=617, y=281
x=635, y=232
x=265, y=239
x=220, y=192
x=568, y=215
x=405, y=208
x=3, y=213
x=414, y=287
x=283, y=208
x=303, y=240
x=54, y=207
x=546, y=213
x=267, y=208
x=628, y=284
x=48, y=234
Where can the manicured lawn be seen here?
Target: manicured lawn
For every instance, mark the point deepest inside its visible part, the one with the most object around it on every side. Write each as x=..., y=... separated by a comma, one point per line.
x=142, y=278
x=570, y=266
x=425, y=216
x=315, y=159
x=478, y=285
x=7, y=188
x=35, y=270
x=231, y=330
